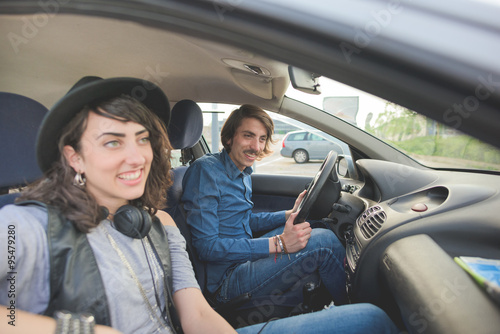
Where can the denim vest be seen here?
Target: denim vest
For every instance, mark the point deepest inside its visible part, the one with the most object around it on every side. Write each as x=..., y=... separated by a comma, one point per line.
x=75, y=281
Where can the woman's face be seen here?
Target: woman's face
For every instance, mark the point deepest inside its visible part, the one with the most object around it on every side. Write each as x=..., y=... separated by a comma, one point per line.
x=115, y=158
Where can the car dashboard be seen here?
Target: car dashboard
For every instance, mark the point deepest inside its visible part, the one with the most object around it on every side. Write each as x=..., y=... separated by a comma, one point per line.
x=404, y=227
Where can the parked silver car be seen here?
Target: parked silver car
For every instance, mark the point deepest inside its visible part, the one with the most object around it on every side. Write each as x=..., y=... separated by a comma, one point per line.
x=303, y=145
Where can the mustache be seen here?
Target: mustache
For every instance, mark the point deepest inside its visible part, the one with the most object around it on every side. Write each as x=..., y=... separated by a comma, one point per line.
x=252, y=152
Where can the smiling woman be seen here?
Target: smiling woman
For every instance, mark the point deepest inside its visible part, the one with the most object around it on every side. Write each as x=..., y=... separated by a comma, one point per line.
x=104, y=150
x=100, y=192
x=114, y=158
x=72, y=135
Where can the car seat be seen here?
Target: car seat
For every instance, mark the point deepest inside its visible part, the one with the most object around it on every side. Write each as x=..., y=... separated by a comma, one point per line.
x=184, y=132
x=20, y=118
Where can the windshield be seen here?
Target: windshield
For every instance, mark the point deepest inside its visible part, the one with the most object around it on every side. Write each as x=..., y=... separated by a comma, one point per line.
x=429, y=142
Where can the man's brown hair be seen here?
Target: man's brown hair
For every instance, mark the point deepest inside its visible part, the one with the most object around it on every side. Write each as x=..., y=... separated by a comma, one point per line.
x=236, y=118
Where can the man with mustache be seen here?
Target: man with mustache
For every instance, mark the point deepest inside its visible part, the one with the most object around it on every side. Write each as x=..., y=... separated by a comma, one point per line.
x=218, y=200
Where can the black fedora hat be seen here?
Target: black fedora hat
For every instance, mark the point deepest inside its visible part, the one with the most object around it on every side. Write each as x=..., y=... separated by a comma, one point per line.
x=86, y=91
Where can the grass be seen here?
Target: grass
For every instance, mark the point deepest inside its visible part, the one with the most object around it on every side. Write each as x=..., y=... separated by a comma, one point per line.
x=456, y=147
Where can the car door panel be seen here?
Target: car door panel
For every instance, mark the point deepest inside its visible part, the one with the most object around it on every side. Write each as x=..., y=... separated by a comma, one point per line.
x=315, y=146
x=276, y=192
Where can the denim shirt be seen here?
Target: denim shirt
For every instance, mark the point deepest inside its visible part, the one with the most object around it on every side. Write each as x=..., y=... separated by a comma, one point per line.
x=218, y=200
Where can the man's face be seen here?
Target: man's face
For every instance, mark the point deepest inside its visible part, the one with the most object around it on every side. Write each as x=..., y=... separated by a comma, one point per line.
x=248, y=143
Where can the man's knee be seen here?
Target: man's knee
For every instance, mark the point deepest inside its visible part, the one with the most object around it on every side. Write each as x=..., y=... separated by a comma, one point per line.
x=362, y=318
x=325, y=244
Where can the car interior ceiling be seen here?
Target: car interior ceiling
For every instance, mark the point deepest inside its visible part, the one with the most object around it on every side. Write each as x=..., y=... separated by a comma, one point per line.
x=166, y=64
x=419, y=85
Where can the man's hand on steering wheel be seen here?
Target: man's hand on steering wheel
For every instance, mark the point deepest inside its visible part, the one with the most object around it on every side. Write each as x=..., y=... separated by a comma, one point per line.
x=296, y=205
x=296, y=236
x=322, y=192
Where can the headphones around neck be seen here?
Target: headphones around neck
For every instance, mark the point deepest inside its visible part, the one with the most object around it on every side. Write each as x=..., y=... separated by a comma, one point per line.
x=131, y=221
x=136, y=223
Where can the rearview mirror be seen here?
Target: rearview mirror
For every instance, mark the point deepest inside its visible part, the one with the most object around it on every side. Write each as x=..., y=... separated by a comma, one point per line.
x=304, y=81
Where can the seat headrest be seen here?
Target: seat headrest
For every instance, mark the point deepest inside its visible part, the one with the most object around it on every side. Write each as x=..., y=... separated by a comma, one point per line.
x=20, y=118
x=186, y=124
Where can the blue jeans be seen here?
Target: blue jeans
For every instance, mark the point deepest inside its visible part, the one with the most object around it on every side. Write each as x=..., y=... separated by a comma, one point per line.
x=354, y=318
x=323, y=255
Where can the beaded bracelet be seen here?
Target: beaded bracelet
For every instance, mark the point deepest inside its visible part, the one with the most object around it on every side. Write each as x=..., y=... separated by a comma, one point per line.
x=275, y=238
x=281, y=246
x=282, y=243
x=69, y=323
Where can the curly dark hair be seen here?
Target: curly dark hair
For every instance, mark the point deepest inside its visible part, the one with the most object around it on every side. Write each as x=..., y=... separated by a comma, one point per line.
x=234, y=121
x=76, y=203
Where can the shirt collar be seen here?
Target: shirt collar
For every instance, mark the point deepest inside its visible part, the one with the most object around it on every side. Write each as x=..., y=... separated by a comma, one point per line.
x=232, y=171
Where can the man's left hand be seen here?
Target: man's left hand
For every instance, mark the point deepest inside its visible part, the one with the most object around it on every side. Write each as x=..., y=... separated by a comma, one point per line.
x=297, y=203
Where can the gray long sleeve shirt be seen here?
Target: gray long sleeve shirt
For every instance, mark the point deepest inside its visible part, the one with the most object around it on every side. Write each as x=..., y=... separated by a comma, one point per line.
x=30, y=290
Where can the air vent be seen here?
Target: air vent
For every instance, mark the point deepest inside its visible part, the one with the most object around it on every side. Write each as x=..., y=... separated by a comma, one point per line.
x=371, y=221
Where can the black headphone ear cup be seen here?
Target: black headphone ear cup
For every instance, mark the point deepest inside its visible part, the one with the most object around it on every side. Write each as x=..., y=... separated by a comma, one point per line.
x=146, y=223
x=132, y=222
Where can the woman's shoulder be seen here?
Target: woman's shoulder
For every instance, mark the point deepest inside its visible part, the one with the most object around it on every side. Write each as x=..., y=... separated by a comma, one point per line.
x=173, y=232
x=165, y=218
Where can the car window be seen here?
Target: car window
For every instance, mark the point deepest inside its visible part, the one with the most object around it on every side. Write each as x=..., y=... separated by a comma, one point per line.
x=314, y=137
x=431, y=143
x=286, y=129
x=297, y=136
x=176, y=158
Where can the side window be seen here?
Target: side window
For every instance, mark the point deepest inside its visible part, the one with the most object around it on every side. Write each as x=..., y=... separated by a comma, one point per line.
x=314, y=137
x=297, y=136
x=176, y=158
x=291, y=154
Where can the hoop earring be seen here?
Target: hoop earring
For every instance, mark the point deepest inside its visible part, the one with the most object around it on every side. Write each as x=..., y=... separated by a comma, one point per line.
x=79, y=180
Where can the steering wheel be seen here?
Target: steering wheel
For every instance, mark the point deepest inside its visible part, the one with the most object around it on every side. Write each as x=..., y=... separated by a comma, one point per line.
x=322, y=192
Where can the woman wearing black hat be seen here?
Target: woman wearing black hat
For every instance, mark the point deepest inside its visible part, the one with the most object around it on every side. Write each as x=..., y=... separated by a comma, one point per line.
x=91, y=243
x=91, y=246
